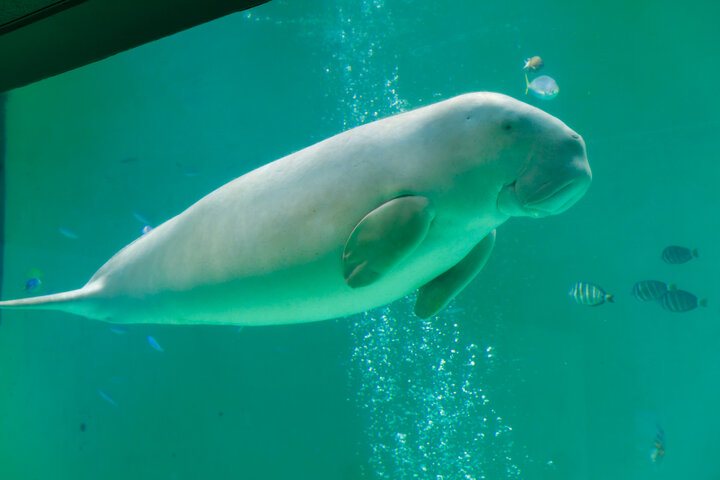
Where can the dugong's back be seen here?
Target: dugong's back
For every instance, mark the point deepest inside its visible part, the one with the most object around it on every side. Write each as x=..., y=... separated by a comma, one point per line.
x=255, y=250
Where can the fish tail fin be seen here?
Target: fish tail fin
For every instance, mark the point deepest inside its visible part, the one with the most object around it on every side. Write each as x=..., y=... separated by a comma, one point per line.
x=610, y=298
x=527, y=84
x=703, y=302
x=70, y=301
x=695, y=252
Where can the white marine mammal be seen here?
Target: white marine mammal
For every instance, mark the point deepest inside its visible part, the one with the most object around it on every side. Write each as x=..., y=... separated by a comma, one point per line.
x=351, y=223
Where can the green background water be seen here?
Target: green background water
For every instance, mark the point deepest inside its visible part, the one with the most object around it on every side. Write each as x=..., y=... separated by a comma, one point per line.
x=565, y=392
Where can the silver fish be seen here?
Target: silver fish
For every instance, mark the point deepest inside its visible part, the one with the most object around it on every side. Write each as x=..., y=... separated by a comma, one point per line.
x=543, y=87
x=680, y=301
x=588, y=294
x=674, y=254
x=645, y=290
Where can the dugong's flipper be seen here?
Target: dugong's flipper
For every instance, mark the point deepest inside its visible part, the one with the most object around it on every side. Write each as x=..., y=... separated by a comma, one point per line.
x=384, y=237
x=433, y=296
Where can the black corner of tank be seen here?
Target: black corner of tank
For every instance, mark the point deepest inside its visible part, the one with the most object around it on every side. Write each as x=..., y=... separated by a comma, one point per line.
x=39, y=39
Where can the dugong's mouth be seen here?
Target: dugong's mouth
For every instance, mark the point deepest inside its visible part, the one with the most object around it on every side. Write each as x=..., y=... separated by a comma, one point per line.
x=548, y=199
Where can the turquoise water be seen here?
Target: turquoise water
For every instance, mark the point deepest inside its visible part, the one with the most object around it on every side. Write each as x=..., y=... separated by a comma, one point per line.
x=513, y=381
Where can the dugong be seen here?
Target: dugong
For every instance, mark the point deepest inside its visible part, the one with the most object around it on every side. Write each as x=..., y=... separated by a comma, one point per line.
x=351, y=223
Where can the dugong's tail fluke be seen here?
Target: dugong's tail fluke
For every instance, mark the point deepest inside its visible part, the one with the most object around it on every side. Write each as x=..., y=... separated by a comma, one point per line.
x=65, y=301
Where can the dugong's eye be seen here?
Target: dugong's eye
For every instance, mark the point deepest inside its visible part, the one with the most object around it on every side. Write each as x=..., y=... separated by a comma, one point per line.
x=507, y=126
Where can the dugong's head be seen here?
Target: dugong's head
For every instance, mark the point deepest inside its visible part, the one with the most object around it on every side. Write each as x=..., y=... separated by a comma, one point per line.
x=541, y=163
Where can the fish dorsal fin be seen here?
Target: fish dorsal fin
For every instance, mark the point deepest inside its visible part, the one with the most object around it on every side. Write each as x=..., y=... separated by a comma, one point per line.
x=436, y=294
x=384, y=237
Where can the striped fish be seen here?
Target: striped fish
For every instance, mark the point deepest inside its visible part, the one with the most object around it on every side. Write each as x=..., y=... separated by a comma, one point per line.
x=680, y=301
x=674, y=254
x=645, y=290
x=588, y=294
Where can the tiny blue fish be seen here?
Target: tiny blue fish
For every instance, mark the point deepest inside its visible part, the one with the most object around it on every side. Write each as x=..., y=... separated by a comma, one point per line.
x=68, y=233
x=118, y=330
x=454, y=309
x=543, y=87
x=649, y=290
x=154, y=344
x=107, y=398
x=32, y=284
x=140, y=218
x=681, y=301
x=674, y=254
x=588, y=294
x=187, y=171
x=146, y=229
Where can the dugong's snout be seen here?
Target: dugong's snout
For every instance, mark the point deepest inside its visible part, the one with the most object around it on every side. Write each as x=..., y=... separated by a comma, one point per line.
x=553, y=181
x=558, y=197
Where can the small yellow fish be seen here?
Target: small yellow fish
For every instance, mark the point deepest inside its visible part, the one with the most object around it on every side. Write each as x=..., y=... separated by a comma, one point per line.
x=657, y=452
x=533, y=63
